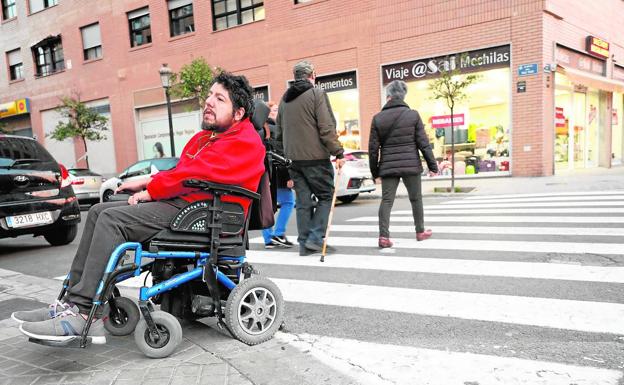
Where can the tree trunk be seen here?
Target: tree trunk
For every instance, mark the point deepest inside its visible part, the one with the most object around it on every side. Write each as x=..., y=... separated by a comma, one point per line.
x=84, y=142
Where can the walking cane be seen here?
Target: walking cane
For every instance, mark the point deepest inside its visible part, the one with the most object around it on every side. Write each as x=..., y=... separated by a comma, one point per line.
x=331, y=215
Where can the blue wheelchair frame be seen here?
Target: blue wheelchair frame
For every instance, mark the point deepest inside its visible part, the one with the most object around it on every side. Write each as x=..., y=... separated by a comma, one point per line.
x=115, y=273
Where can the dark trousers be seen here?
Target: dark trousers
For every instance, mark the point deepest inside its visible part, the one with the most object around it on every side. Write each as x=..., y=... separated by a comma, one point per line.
x=107, y=226
x=317, y=179
x=388, y=192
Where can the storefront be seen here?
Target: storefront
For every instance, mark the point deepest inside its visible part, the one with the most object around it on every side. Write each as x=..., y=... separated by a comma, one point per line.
x=588, y=131
x=15, y=117
x=482, y=120
x=617, y=120
x=344, y=98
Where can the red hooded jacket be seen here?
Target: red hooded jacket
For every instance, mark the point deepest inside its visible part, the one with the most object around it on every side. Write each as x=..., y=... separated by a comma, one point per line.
x=234, y=157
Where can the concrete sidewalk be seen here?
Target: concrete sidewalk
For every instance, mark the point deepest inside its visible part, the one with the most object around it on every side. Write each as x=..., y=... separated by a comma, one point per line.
x=595, y=179
x=206, y=355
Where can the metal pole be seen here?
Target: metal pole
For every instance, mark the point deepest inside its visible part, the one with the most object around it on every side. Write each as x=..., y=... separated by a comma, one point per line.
x=172, y=142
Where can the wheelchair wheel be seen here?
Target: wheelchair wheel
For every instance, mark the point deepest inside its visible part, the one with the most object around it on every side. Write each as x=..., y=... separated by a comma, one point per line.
x=124, y=319
x=170, y=332
x=255, y=310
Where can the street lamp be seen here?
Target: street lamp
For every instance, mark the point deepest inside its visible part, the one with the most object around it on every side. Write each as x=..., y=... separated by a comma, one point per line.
x=165, y=78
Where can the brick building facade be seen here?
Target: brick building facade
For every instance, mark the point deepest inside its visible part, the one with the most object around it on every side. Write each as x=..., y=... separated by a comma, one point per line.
x=536, y=107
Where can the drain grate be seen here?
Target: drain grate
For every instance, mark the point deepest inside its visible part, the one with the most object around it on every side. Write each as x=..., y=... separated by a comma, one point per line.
x=10, y=305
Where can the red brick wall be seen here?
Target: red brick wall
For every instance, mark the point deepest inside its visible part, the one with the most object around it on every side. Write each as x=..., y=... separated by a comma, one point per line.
x=336, y=35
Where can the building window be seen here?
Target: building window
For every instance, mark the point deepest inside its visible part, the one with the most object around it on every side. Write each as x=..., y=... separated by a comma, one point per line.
x=48, y=56
x=91, y=41
x=8, y=9
x=40, y=5
x=140, y=30
x=16, y=67
x=180, y=17
x=228, y=13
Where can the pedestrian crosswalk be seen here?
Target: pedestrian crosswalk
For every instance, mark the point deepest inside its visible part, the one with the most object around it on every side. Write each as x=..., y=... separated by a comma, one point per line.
x=511, y=289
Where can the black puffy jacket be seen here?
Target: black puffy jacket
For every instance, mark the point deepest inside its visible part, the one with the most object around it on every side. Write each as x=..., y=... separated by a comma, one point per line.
x=397, y=134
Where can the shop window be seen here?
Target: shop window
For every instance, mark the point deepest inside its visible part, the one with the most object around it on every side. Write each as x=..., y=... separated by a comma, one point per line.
x=228, y=13
x=180, y=17
x=16, y=67
x=91, y=41
x=40, y=5
x=481, y=122
x=48, y=55
x=140, y=28
x=8, y=9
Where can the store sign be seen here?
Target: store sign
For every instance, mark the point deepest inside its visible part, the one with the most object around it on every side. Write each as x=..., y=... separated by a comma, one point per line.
x=336, y=82
x=580, y=61
x=261, y=93
x=17, y=107
x=527, y=69
x=597, y=47
x=618, y=72
x=442, y=121
x=521, y=86
x=472, y=61
x=559, y=117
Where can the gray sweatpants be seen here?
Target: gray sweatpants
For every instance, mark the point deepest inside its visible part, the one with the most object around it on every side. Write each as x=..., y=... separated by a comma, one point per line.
x=388, y=192
x=107, y=226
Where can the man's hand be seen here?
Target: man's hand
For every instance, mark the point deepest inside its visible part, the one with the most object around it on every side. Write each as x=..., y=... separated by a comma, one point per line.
x=340, y=163
x=290, y=183
x=143, y=196
x=431, y=173
x=134, y=186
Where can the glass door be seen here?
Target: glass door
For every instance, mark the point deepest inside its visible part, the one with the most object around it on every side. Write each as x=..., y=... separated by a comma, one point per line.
x=592, y=123
x=578, y=131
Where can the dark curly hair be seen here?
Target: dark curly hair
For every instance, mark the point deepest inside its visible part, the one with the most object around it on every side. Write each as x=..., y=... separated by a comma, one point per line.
x=240, y=91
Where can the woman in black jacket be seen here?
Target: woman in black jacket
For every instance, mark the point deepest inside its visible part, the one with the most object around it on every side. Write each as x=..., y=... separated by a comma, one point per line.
x=397, y=135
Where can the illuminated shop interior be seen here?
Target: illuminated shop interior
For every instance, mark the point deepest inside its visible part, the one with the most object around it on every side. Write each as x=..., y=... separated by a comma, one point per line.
x=346, y=107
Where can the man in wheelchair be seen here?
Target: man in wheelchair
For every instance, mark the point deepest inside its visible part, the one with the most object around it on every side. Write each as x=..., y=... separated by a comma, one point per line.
x=227, y=151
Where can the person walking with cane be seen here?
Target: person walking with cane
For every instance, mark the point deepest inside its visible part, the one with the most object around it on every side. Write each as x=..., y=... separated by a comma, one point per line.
x=396, y=138
x=306, y=126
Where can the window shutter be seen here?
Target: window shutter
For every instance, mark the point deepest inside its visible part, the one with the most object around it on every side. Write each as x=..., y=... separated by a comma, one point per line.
x=91, y=36
x=138, y=13
x=14, y=57
x=174, y=4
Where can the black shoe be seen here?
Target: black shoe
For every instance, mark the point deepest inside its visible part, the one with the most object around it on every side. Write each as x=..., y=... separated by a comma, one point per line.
x=303, y=251
x=271, y=245
x=283, y=241
x=313, y=246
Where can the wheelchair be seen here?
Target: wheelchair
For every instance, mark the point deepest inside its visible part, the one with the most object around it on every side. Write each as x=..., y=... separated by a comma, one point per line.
x=198, y=270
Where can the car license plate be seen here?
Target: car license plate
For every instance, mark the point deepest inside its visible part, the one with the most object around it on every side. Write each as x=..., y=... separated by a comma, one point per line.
x=26, y=220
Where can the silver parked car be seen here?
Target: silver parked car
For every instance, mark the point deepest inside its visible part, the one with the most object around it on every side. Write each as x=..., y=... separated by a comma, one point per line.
x=86, y=184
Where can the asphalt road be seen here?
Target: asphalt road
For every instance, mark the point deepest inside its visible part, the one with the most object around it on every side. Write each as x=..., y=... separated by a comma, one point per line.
x=538, y=296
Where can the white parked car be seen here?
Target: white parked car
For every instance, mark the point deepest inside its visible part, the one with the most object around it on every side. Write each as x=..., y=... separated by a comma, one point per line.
x=356, y=177
x=86, y=184
x=142, y=169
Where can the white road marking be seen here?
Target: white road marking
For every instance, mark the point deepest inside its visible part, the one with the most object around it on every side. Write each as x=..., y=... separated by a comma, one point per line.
x=541, y=199
x=554, y=194
x=495, y=218
x=481, y=245
x=376, y=364
x=498, y=230
x=587, y=316
x=535, y=270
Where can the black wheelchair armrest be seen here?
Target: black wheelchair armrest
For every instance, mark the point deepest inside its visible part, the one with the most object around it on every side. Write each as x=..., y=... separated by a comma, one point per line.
x=224, y=188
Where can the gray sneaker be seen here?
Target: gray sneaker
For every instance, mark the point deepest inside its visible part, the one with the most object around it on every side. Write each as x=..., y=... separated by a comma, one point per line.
x=64, y=326
x=39, y=315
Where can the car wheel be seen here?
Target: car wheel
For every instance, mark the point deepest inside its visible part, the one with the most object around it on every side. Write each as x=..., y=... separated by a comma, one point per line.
x=106, y=195
x=62, y=236
x=348, y=198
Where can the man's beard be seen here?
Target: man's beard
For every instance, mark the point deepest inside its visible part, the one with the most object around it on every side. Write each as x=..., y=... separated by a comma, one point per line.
x=213, y=127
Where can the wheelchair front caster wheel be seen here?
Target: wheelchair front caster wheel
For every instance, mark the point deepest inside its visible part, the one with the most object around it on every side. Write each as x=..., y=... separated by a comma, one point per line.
x=255, y=310
x=170, y=335
x=123, y=316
